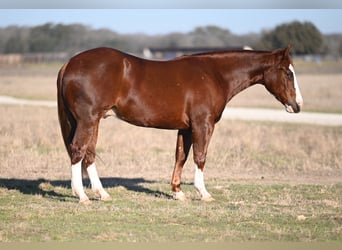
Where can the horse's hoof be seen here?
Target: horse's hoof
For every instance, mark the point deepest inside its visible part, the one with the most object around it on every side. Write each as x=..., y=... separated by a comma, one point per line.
x=208, y=199
x=102, y=195
x=106, y=198
x=85, y=202
x=179, y=196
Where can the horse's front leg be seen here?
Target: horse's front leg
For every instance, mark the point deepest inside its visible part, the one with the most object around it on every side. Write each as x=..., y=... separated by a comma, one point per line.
x=184, y=142
x=202, y=132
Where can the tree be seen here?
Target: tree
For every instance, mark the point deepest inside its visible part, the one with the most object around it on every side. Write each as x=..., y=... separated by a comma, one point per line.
x=53, y=38
x=41, y=38
x=340, y=49
x=305, y=38
x=14, y=40
x=14, y=45
x=210, y=36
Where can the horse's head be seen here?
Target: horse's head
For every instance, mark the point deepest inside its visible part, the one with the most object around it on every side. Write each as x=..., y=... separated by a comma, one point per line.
x=280, y=80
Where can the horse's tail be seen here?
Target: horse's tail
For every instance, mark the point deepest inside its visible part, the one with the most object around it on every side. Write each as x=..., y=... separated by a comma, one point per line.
x=66, y=120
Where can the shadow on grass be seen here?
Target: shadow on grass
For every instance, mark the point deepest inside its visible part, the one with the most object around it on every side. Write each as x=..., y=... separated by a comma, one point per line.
x=34, y=187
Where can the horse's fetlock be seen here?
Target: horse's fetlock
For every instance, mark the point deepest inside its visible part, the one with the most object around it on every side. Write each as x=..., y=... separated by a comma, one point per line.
x=175, y=187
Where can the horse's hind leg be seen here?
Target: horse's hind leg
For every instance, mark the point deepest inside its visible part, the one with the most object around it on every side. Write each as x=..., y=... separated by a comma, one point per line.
x=78, y=149
x=89, y=164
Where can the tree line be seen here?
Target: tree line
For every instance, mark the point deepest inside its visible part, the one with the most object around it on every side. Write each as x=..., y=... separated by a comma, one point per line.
x=303, y=36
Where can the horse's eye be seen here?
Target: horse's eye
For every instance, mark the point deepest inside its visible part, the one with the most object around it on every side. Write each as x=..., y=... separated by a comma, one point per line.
x=289, y=75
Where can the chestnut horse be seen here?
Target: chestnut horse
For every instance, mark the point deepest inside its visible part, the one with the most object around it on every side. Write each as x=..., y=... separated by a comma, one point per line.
x=188, y=93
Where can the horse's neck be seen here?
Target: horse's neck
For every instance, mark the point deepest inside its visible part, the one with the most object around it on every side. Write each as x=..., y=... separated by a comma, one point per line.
x=242, y=70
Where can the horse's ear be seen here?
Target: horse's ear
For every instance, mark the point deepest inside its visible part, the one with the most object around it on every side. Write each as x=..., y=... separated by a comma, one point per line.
x=287, y=51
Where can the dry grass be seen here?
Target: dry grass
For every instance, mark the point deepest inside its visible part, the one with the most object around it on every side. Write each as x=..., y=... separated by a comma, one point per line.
x=32, y=148
x=29, y=87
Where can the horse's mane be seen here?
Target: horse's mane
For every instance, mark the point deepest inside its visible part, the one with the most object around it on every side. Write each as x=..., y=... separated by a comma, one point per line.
x=221, y=53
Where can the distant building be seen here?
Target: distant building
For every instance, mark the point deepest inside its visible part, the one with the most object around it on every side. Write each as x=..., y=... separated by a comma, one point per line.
x=169, y=53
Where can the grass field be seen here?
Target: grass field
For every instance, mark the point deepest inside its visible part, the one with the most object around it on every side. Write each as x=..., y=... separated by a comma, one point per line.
x=142, y=211
x=271, y=181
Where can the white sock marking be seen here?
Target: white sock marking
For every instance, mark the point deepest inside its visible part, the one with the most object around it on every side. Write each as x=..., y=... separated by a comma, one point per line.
x=199, y=183
x=299, y=98
x=96, y=183
x=94, y=178
x=76, y=181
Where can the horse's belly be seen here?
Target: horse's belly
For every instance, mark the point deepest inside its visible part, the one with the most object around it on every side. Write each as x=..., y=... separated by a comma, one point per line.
x=153, y=117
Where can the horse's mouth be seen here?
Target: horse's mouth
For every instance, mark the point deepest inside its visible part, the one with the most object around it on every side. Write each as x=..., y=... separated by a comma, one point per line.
x=292, y=108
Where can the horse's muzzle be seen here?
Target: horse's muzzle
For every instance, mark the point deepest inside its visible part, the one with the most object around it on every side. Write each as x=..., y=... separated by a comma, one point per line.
x=293, y=107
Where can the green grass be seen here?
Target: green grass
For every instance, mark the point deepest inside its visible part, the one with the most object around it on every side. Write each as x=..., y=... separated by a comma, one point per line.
x=143, y=211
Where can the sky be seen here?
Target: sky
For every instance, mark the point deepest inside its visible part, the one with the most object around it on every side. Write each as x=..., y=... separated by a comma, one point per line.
x=163, y=21
x=105, y=4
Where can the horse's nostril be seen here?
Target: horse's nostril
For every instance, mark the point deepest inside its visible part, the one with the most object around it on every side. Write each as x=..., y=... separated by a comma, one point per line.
x=297, y=108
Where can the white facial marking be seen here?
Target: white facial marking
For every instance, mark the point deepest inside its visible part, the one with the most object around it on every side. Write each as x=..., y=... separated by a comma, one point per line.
x=199, y=183
x=96, y=183
x=76, y=181
x=299, y=98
